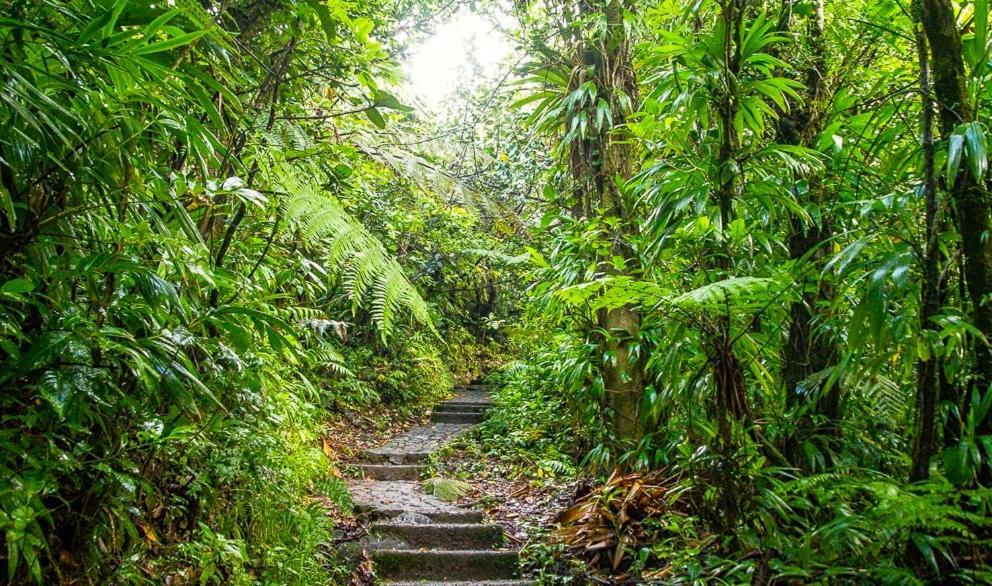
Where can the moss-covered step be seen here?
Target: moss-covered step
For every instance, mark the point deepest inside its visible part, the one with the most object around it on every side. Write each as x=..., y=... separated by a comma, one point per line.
x=460, y=417
x=416, y=444
x=458, y=406
x=385, y=500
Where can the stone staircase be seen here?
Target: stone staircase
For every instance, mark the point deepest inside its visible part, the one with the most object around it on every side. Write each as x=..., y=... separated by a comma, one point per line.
x=417, y=538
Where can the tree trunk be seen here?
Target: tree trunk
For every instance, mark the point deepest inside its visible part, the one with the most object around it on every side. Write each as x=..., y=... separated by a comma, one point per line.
x=623, y=378
x=598, y=162
x=969, y=196
x=927, y=380
x=731, y=398
x=806, y=352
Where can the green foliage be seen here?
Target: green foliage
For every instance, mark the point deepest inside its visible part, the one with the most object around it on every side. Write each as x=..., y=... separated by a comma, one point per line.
x=187, y=269
x=770, y=242
x=830, y=527
x=406, y=375
x=526, y=427
x=220, y=222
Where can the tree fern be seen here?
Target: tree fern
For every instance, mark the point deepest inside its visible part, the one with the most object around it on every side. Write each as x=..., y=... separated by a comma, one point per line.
x=370, y=274
x=739, y=292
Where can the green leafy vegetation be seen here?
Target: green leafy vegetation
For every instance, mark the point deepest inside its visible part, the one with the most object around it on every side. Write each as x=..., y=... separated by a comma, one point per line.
x=197, y=273
x=727, y=261
x=758, y=280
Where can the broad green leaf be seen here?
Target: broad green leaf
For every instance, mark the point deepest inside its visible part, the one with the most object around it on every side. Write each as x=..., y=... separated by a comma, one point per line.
x=531, y=97
x=974, y=135
x=22, y=285
x=956, y=465
x=924, y=545
x=168, y=44
x=361, y=28
x=955, y=150
x=44, y=350
x=7, y=206
x=376, y=118
x=327, y=21
x=154, y=26
x=384, y=99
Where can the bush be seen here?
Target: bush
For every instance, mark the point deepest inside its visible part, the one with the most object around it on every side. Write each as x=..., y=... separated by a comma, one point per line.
x=533, y=423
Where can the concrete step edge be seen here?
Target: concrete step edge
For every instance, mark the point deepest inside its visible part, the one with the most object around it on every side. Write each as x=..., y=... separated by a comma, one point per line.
x=391, y=471
x=467, y=516
x=465, y=407
x=443, y=536
x=446, y=564
x=466, y=414
x=386, y=458
x=463, y=403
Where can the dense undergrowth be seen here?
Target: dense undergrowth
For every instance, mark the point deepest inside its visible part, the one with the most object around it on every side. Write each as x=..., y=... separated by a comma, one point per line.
x=850, y=522
x=210, y=250
x=756, y=317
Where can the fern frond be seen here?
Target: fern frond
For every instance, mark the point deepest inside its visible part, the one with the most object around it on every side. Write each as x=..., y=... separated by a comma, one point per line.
x=740, y=293
x=328, y=357
x=366, y=267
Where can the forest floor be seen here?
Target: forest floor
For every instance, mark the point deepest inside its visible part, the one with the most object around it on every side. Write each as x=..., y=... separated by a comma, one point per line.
x=525, y=511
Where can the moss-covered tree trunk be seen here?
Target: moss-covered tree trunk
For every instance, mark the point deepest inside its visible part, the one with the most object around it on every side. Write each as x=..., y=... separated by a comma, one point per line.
x=927, y=380
x=971, y=200
x=808, y=353
x=728, y=373
x=600, y=161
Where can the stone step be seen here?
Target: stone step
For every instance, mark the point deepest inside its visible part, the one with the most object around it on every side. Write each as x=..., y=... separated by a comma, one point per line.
x=415, y=444
x=477, y=387
x=457, y=417
x=441, y=564
x=443, y=535
x=460, y=406
x=461, y=517
x=394, y=458
x=391, y=472
x=474, y=396
x=385, y=500
x=460, y=583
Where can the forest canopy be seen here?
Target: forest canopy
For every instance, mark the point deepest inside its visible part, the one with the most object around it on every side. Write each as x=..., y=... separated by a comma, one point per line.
x=726, y=262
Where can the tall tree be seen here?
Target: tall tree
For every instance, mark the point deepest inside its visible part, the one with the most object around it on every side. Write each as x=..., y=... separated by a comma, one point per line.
x=808, y=352
x=928, y=382
x=731, y=396
x=973, y=210
x=600, y=159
